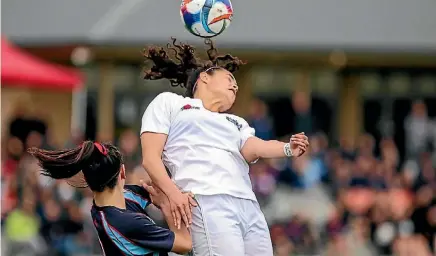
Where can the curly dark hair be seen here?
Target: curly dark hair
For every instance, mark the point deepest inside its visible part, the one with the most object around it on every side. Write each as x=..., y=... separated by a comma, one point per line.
x=185, y=71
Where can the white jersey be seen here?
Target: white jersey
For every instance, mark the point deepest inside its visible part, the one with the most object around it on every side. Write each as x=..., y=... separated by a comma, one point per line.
x=202, y=151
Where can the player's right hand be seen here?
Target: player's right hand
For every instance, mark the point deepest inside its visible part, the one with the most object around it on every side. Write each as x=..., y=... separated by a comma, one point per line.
x=181, y=208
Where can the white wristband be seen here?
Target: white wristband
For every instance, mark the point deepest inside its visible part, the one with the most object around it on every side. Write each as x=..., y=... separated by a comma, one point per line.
x=287, y=150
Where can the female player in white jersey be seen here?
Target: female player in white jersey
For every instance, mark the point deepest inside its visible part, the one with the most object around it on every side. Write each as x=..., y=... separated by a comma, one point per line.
x=208, y=151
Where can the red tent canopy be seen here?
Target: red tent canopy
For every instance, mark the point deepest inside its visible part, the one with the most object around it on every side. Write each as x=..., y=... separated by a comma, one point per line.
x=19, y=68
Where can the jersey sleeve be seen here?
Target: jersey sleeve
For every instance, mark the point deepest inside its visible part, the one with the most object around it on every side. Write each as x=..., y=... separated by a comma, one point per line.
x=150, y=235
x=139, y=235
x=157, y=116
x=137, y=195
x=246, y=132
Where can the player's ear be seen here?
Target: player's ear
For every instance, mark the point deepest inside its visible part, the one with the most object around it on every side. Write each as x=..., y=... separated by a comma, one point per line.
x=123, y=172
x=204, y=77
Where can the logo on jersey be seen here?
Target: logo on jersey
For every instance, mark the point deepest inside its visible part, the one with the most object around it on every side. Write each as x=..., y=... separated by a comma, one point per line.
x=187, y=107
x=235, y=122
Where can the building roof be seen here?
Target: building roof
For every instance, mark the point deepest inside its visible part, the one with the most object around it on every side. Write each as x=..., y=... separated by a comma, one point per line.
x=389, y=25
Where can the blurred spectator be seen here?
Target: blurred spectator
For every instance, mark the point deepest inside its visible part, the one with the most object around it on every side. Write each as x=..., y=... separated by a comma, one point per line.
x=49, y=140
x=389, y=153
x=347, y=150
x=14, y=151
x=335, y=225
x=22, y=229
x=263, y=181
x=22, y=125
x=128, y=144
x=300, y=232
x=414, y=245
x=304, y=120
x=34, y=139
x=319, y=145
x=418, y=129
x=136, y=174
x=366, y=146
x=77, y=136
x=260, y=120
x=9, y=194
x=307, y=170
x=281, y=243
x=295, y=236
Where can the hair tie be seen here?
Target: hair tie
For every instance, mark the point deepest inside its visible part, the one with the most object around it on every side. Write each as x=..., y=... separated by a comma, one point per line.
x=101, y=148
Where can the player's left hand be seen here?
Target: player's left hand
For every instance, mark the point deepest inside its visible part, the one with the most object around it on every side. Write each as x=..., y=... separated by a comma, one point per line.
x=158, y=198
x=299, y=144
x=192, y=200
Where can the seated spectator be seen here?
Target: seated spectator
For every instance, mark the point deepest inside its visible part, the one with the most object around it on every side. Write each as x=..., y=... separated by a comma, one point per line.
x=281, y=243
x=260, y=120
x=299, y=231
x=336, y=224
x=22, y=229
x=263, y=181
x=306, y=171
x=128, y=145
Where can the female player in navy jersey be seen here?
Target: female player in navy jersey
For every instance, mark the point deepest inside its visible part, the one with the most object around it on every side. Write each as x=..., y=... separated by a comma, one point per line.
x=207, y=152
x=118, y=210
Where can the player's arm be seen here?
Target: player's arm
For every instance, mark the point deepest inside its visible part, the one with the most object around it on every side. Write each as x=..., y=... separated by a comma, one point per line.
x=156, y=123
x=152, y=147
x=138, y=195
x=255, y=148
x=148, y=237
x=182, y=238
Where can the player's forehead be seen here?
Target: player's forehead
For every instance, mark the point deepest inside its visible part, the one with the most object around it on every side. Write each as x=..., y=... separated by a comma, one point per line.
x=225, y=73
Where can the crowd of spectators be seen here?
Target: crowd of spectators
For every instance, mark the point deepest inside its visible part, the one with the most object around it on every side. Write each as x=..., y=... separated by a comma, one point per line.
x=344, y=199
x=45, y=217
x=335, y=200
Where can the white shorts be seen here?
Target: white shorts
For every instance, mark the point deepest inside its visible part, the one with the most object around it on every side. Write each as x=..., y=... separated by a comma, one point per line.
x=224, y=225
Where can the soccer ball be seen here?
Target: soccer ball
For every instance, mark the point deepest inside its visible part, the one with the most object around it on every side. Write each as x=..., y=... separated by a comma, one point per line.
x=206, y=18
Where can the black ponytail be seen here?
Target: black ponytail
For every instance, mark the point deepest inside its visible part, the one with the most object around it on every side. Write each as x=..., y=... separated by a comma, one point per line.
x=91, y=164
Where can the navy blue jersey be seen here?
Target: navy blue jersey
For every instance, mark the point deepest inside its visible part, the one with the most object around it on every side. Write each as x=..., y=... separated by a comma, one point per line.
x=131, y=232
